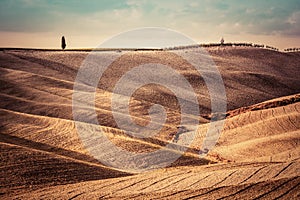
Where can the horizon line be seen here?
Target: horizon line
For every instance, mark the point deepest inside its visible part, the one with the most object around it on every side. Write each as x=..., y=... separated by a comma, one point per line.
x=203, y=45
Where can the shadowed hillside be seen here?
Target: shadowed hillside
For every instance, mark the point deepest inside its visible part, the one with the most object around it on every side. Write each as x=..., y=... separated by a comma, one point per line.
x=257, y=154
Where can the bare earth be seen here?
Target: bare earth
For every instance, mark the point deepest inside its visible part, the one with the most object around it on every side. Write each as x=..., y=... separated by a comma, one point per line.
x=256, y=157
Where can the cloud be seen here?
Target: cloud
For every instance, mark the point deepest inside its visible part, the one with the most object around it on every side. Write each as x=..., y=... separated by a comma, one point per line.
x=294, y=24
x=201, y=18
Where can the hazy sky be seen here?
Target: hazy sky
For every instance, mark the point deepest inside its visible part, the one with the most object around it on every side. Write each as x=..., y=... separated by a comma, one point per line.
x=41, y=23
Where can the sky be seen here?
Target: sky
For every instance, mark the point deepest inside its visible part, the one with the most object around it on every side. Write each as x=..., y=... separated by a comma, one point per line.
x=86, y=24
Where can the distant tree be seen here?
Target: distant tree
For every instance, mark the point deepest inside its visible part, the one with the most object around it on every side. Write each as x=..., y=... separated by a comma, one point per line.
x=63, y=42
x=222, y=41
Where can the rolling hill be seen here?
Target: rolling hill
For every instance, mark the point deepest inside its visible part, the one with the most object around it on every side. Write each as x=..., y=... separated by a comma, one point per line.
x=256, y=156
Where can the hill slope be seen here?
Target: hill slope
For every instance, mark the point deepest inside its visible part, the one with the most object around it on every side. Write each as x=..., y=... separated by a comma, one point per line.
x=258, y=148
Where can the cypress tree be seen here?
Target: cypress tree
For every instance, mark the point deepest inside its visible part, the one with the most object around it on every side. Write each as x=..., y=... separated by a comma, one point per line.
x=63, y=42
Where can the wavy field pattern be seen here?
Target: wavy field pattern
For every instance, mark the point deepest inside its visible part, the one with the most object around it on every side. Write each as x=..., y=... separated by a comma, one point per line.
x=256, y=156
